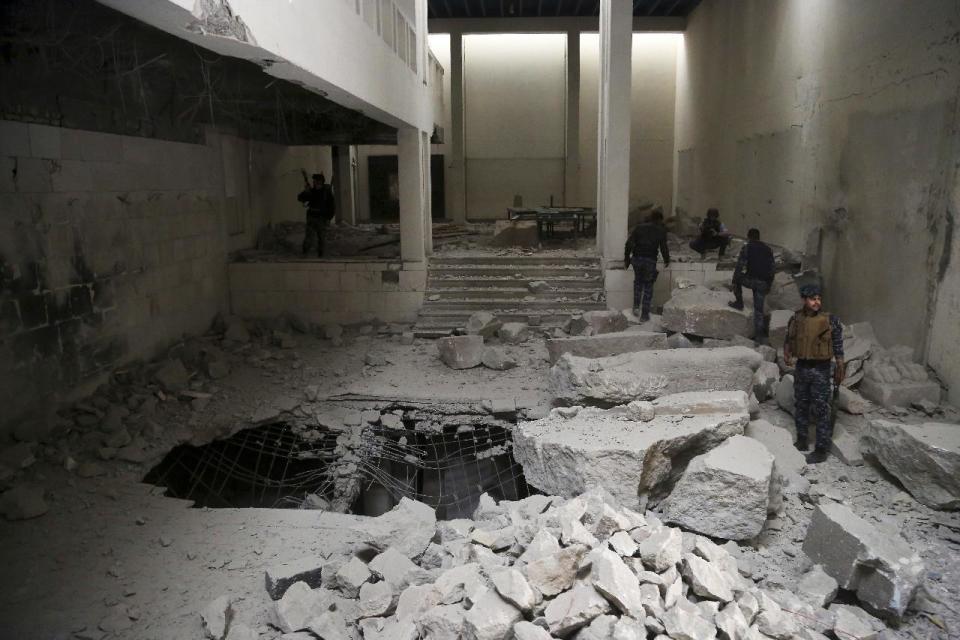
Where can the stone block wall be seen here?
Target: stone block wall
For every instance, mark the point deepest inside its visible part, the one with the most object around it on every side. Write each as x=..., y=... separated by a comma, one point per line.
x=344, y=291
x=111, y=247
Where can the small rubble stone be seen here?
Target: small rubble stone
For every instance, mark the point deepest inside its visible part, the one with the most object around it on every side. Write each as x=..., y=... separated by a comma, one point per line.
x=514, y=588
x=236, y=331
x=706, y=580
x=765, y=380
x=725, y=493
x=881, y=567
x=279, y=578
x=524, y=630
x=240, y=631
x=483, y=323
x=216, y=616
x=685, y=621
x=924, y=457
x=397, y=569
x=23, y=502
x=332, y=331
x=297, y=606
x=377, y=599
x=555, y=573
x=623, y=544
x=351, y=576
x=542, y=545
x=461, y=352
x=817, y=587
x=497, y=359
x=513, y=332
x=173, y=376
x=852, y=402
x=784, y=394
x=611, y=577
x=854, y=622
x=490, y=618
x=574, y=609
x=444, y=621
x=329, y=625
x=662, y=550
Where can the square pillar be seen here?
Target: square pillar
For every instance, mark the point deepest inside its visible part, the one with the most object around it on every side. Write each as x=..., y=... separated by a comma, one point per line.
x=413, y=198
x=456, y=178
x=571, y=169
x=613, y=144
x=345, y=183
x=427, y=193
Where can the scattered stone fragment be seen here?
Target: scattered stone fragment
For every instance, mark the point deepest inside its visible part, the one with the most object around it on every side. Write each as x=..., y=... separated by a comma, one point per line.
x=23, y=502
x=377, y=599
x=297, y=606
x=924, y=457
x=685, y=621
x=724, y=493
x=706, y=580
x=662, y=550
x=483, y=323
x=784, y=394
x=397, y=569
x=490, y=618
x=611, y=577
x=279, y=578
x=852, y=402
x=555, y=573
x=514, y=588
x=623, y=544
x=773, y=621
x=882, y=568
x=816, y=587
x=789, y=462
x=542, y=545
x=216, y=617
x=497, y=359
x=524, y=630
x=513, y=332
x=351, y=576
x=441, y=621
x=329, y=625
x=239, y=631
x=732, y=623
x=854, y=622
x=607, y=321
x=765, y=380
x=646, y=375
x=408, y=528
x=173, y=376
x=574, y=609
x=461, y=352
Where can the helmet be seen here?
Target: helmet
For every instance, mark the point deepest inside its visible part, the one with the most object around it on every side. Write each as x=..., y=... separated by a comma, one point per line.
x=810, y=290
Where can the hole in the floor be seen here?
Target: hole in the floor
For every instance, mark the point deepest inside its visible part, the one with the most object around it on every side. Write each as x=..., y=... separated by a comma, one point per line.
x=291, y=466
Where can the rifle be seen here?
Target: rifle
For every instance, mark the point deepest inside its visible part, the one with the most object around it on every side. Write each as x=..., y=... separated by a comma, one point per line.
x=306, y=182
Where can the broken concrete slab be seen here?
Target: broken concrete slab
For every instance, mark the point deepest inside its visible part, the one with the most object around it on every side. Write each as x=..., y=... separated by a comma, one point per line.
x=725, y=493
x=297, y=606
x=279, y=578
x=605, y=321
x=397, y=569
x=483, y=323
x=784, y=293
x=351, y=576
x=606, y=344
x=789, y=462
x=817, y=587
x=703, y=312
x=614, y=580
x=215, y=617
x=924, y=457
x=408, y=528
x=765, y=380
x=880, y=566
x=647, y=375
x=574, y=609
x=497, y=359
x=705, y=579
x=631, y=459
x=899, y=394
x=662, y=549
x=461, y=352
x=852, y=402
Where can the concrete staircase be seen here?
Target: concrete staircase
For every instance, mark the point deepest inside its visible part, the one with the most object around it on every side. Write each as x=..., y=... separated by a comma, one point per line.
x=458, y=287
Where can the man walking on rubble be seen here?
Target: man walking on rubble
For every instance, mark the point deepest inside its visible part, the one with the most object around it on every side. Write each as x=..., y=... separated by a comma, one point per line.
x=320, y=209
x=641, y=251
x=713, y=235
x=754, y=270
x=814, y=338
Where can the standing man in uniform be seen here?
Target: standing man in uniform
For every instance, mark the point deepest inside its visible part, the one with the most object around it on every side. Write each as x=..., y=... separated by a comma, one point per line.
x=318, y=200
x=814, y=338
x=713, y=235
x=755, y=270
x=641, y=251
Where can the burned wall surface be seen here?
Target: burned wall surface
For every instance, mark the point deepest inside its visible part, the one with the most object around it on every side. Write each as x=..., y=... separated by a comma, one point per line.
x=833, y=128
x=110, y=247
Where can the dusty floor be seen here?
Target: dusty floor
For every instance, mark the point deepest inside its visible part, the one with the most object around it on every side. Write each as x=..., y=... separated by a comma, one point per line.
x=113, y=560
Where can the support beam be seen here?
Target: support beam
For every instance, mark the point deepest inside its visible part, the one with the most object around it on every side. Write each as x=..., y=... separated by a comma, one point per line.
x=571, y=182
x=412, y=195
x=455, y=179
x=613, y=144
x=345, y=183
x=551, y=24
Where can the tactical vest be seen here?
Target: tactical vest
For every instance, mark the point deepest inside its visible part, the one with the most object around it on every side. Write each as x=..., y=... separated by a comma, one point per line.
x=811, y=337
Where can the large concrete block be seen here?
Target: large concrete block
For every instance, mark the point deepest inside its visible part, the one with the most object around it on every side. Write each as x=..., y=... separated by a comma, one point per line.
x=703, y=312
x=461, y=352
x=924, y=457
x=607, y=344
x=646, y=375
x=572, y=450
x=725, y=493
x=881, y=567
x=900, y=394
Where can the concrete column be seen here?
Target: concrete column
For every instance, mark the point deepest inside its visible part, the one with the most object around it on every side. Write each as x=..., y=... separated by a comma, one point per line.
x=613, y=145
x=412, y=196
x=571, y=178
x=427, y=193
x=345, y=184
x=455, y=178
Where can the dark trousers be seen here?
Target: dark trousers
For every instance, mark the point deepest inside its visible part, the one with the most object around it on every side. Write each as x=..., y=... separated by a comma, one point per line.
x=811, y=394
x=702, y=244
x=315, y=232
x=644, y=275
x=760, y=290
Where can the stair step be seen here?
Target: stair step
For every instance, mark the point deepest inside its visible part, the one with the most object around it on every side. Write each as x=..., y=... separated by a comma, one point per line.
x=495, y=305
x=557, y=284
x=507, y=294
x=517, y=260
x=528, y=273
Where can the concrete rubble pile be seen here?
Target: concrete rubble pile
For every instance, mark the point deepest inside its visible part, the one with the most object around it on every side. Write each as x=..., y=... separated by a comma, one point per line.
x=647, y=375
x=539, y=568
x=627, y=450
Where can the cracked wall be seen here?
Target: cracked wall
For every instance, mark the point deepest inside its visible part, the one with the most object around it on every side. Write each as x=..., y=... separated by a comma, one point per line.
x=833, y=127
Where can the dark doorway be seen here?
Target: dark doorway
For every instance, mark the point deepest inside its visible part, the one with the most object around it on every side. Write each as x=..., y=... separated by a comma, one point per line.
x=385, y=188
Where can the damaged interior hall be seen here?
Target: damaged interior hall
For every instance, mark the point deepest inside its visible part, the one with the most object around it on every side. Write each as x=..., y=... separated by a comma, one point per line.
x=480, y=319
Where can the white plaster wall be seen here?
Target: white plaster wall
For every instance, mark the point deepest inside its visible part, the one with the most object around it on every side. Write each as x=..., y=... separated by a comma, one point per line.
x=514, y=104
x=790, y=110
x=275, y=177
x=653, y=96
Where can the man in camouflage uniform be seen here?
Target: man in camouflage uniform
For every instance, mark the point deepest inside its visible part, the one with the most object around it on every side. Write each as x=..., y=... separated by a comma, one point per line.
x=815, y=339
x=641, y=251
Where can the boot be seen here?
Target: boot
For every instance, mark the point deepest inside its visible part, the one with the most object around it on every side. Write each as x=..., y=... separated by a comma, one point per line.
x=817, y=456
x=801, y=444
x=737, y=304
x=645, y=315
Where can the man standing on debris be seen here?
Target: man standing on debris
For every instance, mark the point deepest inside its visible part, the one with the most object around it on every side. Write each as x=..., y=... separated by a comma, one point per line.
x=641, y=251
x=318, y=200
x=814, y=338
x=713, y=235
x=755, y=269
